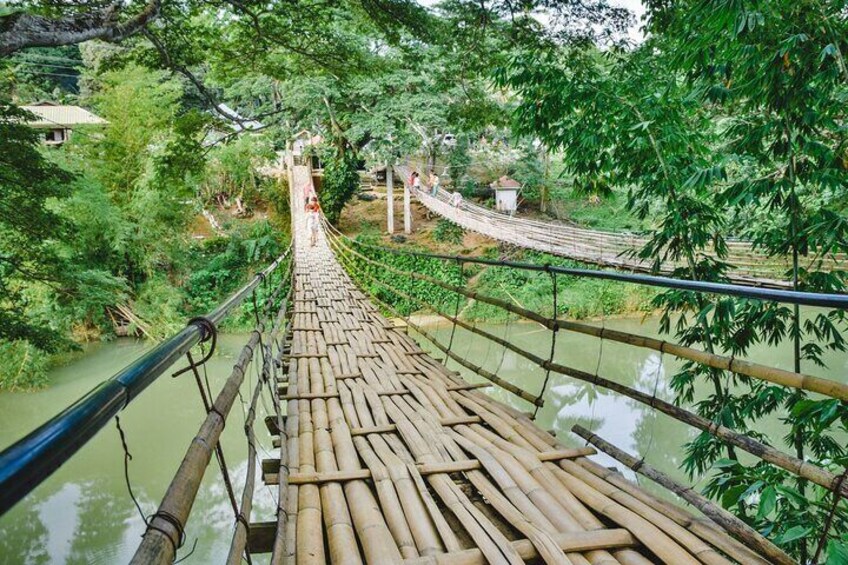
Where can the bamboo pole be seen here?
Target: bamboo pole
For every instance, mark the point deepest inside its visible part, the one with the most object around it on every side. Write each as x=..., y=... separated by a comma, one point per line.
x=700, y=527
x=240, y=534
x=726, y=520
x=390, y=200
x=162, y=537
x=457, y=466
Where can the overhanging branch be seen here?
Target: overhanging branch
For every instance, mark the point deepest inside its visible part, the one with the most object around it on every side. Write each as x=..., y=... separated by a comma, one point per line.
x=21, y=30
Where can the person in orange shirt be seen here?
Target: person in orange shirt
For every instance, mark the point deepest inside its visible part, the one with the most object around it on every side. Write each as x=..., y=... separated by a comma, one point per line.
x=313, y=211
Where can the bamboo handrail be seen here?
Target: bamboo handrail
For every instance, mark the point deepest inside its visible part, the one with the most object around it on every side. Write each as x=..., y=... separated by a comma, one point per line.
x=804, y=469
x=758, y=371
x=723, y=518
x=163, y=535
x=240, y=533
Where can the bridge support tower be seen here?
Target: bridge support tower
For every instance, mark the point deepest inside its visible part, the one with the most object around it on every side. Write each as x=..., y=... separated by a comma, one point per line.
x=390, y=199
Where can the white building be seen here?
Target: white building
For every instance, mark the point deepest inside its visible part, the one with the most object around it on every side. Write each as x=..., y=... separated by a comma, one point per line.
x=506, y=194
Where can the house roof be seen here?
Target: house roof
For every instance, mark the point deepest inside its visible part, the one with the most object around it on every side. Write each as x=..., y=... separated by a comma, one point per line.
x=506, y=182
x=246, y=124
x=49, y=114
x=308, y=137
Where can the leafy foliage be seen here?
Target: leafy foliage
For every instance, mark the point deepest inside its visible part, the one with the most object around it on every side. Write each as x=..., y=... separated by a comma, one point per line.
x=448, y=232
x=341, y=181
x=29, y=229
x=729, y=116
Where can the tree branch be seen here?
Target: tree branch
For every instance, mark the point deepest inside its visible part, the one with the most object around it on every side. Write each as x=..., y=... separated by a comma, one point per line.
x=21, y=30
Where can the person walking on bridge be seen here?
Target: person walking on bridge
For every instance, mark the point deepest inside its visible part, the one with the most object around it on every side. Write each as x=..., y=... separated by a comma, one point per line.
x=434, y=184
x=313, y=211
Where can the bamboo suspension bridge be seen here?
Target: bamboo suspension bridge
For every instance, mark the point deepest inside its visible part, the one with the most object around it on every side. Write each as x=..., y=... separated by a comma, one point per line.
x=609, y=249
x=387, y=456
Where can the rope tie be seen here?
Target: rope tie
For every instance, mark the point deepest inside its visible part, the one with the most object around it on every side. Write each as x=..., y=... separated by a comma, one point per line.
x=207, y=327
x=214, y=410
x=127, y=458
x=240, y=518
x=174, y=522
x=208, y=332
x=554, y=331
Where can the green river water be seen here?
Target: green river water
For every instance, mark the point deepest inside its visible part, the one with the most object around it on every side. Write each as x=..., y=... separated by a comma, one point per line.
x=83, y=513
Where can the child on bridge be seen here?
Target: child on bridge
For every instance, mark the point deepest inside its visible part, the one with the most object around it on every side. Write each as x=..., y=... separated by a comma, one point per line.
x=313, y=211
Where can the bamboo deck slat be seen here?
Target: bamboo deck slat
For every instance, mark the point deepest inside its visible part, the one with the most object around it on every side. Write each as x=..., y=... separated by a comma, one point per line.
x=392, y=458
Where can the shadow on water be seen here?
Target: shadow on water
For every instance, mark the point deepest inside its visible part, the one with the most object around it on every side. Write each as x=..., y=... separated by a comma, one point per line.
x=83, y=513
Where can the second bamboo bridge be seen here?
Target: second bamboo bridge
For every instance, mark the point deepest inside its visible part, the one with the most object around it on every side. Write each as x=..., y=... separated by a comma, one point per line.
x=612, y=249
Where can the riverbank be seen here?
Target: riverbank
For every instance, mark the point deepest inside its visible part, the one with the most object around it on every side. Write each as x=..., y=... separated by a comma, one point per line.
x=577, y=297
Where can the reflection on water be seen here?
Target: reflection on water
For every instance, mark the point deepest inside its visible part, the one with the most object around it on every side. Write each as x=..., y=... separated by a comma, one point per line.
x=83, y=513
x=626, y=423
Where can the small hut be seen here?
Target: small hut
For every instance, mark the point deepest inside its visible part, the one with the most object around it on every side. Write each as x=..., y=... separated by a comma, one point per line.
x=506, y=194
x=57, y=121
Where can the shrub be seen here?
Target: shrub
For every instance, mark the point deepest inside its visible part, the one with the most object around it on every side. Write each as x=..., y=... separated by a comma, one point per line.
x=448, y=232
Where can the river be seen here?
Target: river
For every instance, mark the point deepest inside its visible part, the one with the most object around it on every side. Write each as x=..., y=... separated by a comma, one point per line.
x=83, y=513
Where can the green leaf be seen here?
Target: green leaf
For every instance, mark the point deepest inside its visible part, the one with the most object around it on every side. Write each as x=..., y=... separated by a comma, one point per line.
x=837, y=553
x=768, y=501
x=828, y=51
x=732, y=496
x=792, y=534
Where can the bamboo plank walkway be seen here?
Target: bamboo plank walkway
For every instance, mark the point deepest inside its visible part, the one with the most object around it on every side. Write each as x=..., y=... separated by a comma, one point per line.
x=388, y=457
x=608, y=249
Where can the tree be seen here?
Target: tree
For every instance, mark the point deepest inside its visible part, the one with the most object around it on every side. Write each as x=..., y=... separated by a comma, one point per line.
x=29, y=229
x=723, y=111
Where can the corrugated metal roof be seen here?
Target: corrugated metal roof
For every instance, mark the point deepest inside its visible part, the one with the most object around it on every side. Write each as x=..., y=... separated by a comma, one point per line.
x=67, y=116
x=505, y=182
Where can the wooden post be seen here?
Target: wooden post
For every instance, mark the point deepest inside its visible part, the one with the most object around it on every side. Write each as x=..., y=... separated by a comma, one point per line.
x=407, y=210
x=390, y=199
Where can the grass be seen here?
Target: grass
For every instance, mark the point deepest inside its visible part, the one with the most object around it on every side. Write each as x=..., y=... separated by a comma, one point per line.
x=603, y=213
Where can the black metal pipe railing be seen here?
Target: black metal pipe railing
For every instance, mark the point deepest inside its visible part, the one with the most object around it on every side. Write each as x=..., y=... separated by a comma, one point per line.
x=785, y=296
x=25, y=464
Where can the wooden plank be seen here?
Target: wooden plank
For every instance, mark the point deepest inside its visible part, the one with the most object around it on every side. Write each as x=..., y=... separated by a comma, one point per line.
x=388, y=428
x=568, y=542
x=260, y=537
x=424, y=469
x=271, y=424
